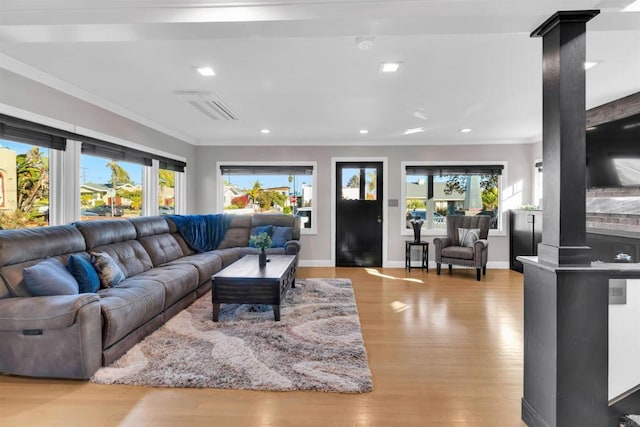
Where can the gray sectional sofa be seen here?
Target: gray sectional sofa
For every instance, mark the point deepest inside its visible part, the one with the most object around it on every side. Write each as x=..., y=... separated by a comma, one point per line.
x=71, y=336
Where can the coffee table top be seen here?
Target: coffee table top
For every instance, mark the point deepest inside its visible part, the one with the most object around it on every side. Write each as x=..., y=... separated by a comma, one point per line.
x=247, y=267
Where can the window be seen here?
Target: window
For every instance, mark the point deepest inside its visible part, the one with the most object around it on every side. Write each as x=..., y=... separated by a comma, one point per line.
x=433, y=191
x=24, y=185
x=359, y=184
x=166, y=191
x=281, y=187
x=537, y=196
x=109, y=188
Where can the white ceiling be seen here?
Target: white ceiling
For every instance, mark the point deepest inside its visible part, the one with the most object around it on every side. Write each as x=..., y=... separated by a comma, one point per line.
x=294, y=67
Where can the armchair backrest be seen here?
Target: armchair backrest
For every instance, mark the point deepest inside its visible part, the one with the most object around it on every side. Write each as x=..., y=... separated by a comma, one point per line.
x=461, y=221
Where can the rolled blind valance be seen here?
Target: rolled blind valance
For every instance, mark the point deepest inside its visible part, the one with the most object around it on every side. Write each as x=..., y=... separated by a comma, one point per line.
x=27, y=132
x=447, y=170
x=266, y=170
x=20, y=130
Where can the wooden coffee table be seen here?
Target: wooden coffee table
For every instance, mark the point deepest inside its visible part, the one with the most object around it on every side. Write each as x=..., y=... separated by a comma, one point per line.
x=244, y=282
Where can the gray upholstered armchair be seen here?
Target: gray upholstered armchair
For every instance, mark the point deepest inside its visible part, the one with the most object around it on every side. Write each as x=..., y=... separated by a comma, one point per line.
x=472, y=251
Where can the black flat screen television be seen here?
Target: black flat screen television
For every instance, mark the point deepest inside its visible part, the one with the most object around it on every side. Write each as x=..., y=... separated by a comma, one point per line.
x=613, y=153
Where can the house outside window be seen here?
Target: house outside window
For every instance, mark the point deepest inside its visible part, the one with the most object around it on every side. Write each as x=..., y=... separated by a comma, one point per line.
x=433, y=191
x=24, y=185
x=276, y=187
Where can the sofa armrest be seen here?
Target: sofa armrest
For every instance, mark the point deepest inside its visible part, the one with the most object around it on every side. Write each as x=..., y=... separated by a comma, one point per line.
x=292, y=247
x=53, y=336
x=481, y=244
x=50, y=312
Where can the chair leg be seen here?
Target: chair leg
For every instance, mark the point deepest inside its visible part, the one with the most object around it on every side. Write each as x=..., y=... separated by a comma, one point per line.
x=438, y=266
x=478, y=274
x=450, y=269
x=484, y=270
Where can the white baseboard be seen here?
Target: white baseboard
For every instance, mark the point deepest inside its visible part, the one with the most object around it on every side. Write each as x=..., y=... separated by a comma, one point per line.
x=497, y=265
x=315, y=263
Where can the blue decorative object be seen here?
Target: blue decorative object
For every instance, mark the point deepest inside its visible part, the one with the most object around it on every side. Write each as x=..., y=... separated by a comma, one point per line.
x=108, y=269
x=258, y=231
x=281, y=235
x=84, y=273
x=49, y=277
x=202, y=232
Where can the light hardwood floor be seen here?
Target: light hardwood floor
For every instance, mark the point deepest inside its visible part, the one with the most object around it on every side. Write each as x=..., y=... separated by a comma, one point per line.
x=443, y=351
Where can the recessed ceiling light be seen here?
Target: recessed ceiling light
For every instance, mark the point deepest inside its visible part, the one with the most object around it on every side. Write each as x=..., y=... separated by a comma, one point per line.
x=363, y=131
x=206, y=71
x=633, y=7
x=414, y=130
x=592, y=128
x=265, y=131
x=589, y=64
x=389, y=67
x=465, y=130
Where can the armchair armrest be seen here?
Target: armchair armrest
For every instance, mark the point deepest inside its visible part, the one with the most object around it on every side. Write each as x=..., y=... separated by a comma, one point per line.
x=441, y=242
x=481, y=244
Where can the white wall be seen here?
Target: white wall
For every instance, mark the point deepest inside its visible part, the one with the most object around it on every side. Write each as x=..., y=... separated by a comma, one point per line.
x=624, y=342
x=317, y=248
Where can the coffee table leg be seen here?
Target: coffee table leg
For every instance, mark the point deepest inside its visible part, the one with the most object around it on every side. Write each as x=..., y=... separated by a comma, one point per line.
x=276, y=312
x=216, y=311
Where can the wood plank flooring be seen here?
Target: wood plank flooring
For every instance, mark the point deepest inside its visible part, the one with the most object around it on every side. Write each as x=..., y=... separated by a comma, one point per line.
x=443, y=350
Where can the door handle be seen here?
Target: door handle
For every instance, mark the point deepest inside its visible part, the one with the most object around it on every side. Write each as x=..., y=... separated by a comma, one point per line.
x=379, y=219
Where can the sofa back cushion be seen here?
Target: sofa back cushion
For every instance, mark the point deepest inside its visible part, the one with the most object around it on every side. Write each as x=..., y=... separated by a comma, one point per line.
x=25, y=247
x=105, y=232
x=154, y=234
x=130, y=256
x=278, y=220
x=237, y=232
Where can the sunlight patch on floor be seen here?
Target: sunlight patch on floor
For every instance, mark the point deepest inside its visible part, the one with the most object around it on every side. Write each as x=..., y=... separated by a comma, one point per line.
x=374, y=272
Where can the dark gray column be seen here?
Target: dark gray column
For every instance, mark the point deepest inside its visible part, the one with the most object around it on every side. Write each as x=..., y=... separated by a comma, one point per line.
x=563, y=138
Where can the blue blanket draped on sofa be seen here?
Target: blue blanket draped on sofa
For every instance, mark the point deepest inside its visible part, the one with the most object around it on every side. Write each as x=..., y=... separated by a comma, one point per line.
x=202, y=232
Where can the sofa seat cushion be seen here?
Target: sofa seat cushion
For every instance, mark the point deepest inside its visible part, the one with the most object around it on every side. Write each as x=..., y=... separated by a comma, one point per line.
x=46, y=313
x=459, y=252
x=128, y=306
x=228, y=256
x=207, y=265
x=178, y=280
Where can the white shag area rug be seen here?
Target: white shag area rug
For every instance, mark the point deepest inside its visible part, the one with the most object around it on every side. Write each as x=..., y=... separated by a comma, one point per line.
x=317, y=345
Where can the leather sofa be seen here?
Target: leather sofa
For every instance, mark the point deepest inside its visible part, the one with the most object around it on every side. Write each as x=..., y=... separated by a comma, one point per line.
x=71, y=336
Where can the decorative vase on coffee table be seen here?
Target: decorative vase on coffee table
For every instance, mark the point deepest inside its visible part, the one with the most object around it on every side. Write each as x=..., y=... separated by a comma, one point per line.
x=262, y=258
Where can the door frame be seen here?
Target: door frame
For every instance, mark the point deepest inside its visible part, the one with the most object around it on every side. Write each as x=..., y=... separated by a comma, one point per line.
x=385, y=202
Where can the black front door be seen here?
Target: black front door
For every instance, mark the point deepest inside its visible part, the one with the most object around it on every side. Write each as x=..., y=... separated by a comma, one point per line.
x=359, y=214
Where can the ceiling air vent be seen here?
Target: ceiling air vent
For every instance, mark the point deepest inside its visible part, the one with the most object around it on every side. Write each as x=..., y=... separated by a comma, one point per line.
x=208, y=104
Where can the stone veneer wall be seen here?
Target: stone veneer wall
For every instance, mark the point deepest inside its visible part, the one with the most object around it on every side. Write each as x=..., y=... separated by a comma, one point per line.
x=616, y=209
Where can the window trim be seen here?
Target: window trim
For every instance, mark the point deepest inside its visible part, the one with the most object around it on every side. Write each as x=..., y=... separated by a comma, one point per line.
x=502, y=179
x=301, y=163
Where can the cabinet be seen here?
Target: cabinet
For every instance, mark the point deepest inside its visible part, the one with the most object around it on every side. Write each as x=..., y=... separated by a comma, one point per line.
x=525, y=232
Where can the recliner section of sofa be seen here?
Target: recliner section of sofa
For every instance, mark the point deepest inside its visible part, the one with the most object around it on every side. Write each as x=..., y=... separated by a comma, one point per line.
x=71, y=336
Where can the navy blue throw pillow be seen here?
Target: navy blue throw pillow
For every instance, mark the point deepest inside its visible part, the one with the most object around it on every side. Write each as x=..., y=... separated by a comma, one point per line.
x=85, y=274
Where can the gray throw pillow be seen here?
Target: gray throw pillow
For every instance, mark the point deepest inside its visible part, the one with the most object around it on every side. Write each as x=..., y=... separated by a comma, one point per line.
x=49, y=277
x=108, y=269
x=468, y=236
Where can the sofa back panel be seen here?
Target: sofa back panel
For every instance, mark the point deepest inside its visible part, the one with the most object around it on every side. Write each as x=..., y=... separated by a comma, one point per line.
x=235, y=237
x=28, y=244
x=186, y=249
x=130, y=255
x=277, y=220
x=240, y=221
x=162, y=248
x=106, y=231
x=150, y=225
